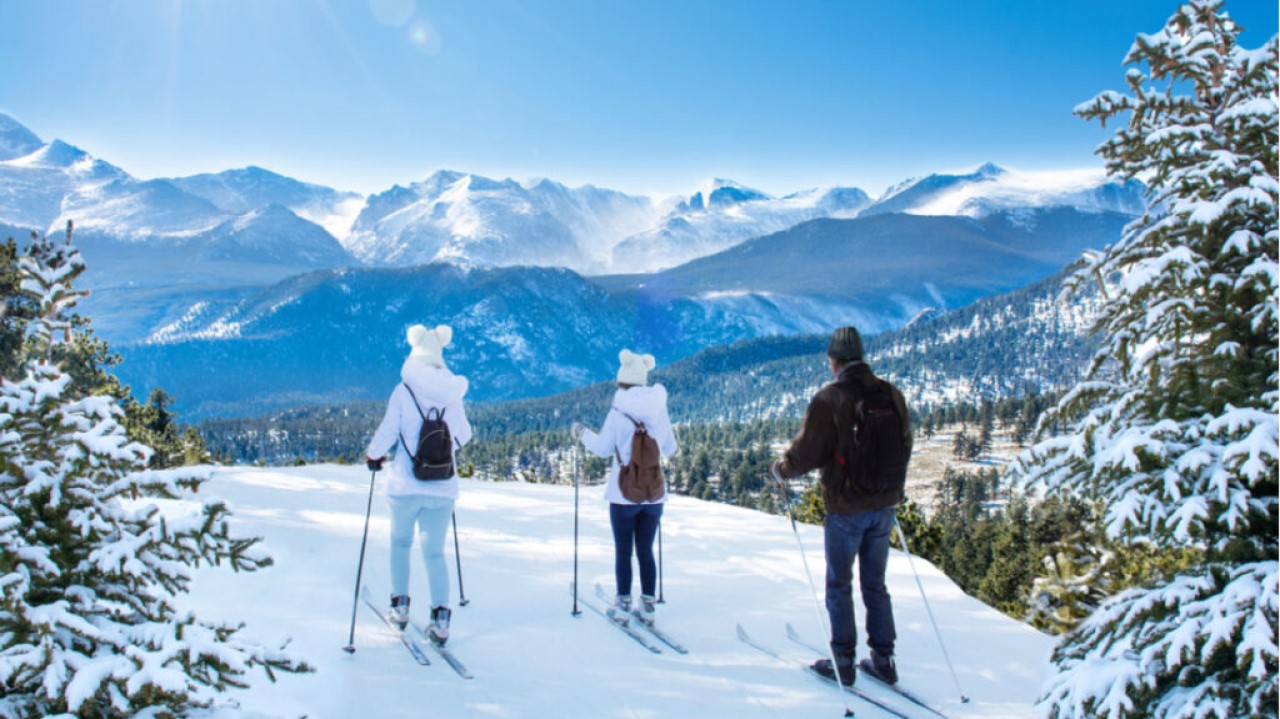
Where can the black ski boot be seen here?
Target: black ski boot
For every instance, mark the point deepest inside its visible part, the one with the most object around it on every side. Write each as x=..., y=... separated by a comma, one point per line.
x=848, y=672
x=881, y=666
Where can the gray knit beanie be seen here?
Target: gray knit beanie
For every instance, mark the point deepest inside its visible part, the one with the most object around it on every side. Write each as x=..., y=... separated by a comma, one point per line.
x=845, y=344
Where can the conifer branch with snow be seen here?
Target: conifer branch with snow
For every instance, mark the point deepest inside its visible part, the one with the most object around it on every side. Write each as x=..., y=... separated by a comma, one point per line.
x=89, y=564
x=1174, y=430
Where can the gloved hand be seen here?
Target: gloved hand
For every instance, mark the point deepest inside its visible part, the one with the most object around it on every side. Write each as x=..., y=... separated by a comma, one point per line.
x=775, y=471
x=374, y=465
x=576, y=429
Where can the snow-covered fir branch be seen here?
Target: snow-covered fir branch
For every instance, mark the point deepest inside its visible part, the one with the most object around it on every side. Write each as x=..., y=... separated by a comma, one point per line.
x=1174, y=430
x=91, y=566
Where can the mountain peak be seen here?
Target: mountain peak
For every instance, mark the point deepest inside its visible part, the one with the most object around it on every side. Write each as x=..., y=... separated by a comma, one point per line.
x=15, y=139
x=56, y=154
x=721, y=192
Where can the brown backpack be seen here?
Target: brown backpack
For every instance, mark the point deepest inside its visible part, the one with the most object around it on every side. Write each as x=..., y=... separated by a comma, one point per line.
x=641, y=479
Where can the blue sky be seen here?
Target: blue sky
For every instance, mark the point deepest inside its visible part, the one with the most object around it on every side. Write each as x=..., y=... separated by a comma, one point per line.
x=650, y=97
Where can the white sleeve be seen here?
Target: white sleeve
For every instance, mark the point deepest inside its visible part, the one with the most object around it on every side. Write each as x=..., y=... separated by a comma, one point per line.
x=388, y=430
x=459, y=426
x=667, y=435
x=602, y=444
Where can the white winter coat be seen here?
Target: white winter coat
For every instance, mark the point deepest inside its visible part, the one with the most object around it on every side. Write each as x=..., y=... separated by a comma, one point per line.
x=644, y=404
x=434, y=387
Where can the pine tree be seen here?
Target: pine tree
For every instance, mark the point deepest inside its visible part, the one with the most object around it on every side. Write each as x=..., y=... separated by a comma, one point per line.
x=1173, y=430
x=89, y=568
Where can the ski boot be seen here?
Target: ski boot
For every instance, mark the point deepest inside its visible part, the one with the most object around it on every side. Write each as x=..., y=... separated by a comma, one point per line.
x=848, y=672
x=881, y=666
x=438, y=630
x=647, y=612
x=620, y=612
x=399, y=614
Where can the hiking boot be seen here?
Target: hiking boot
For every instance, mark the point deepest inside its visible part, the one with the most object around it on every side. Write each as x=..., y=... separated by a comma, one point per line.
x=847, y=671
x=399, y=614
x=620, y=612
x=881, y=666
x=647, y=612
x=438, y=630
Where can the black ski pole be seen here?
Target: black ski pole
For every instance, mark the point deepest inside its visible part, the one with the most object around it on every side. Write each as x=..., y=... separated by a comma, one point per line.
x=364, y=539
x=660, y=599
x=457, y=556
x=813, y=592
x=576, y=612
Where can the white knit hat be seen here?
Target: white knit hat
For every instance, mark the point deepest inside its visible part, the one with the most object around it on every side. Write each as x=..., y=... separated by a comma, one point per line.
x=635, y=368
x=428, y=344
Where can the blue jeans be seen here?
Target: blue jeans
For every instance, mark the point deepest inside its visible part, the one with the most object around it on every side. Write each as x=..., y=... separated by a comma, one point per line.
x=431, y=515
x=864, y=536
x=635, y=525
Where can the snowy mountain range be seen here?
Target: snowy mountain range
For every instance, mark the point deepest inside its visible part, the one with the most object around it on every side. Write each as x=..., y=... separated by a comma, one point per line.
x=252, y=271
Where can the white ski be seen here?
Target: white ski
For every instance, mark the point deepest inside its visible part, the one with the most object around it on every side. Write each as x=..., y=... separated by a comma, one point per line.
x=627, y=629
x=408, y=641
x=794, y=636
x=656, y=632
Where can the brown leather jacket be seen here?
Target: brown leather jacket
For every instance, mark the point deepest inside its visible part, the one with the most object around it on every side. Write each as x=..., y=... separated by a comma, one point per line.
x=830, y=413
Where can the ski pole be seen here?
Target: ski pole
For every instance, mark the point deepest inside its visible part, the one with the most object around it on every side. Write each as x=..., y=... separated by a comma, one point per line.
x=937, y=632
x=457, y=556
x=576, y=612
x=660, y=599
x=355, y=603
x=813, y=590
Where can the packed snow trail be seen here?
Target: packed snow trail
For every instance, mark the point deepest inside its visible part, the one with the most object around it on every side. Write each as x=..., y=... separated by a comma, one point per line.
x=530, y=657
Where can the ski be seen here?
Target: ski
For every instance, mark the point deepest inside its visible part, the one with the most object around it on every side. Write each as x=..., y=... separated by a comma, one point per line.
x=746, y=639
x=445, y=653
x=656, y=632
x=629, y=630
x=405, y=639
x=794, y=636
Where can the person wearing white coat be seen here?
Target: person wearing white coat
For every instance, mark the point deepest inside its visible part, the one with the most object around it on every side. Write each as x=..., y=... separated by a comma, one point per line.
x=635, y=525
x=426, y=383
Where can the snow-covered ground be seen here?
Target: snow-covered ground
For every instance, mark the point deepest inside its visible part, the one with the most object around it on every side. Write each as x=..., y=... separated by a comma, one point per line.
x=722, y=565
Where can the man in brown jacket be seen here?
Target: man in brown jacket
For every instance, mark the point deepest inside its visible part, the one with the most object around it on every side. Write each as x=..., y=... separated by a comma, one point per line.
x=858, y=520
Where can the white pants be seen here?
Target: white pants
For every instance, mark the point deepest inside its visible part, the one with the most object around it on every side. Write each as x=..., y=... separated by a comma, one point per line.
x=431, y=515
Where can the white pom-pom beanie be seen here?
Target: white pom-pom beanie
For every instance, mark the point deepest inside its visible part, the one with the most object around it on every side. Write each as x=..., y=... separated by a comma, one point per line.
x=635, y=368
x=428, y=344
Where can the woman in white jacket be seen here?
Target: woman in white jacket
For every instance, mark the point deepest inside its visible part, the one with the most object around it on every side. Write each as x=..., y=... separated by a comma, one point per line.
x=635, y=524
x=426, y=384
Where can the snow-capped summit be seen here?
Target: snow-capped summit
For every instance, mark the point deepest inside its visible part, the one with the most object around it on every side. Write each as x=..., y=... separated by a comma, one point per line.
x=991, y=189
x=55, y=155
x=718, y=193
x=723, y=213
x=478, y=221
x=250, y=188
x=15, y=139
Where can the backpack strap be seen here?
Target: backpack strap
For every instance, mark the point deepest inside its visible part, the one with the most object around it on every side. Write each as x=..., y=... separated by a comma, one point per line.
x=639, y=425
x=439, y=415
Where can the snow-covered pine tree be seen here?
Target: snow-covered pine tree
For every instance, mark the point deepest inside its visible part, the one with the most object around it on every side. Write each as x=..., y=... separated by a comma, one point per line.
x=89, y=566
x=1174, y=428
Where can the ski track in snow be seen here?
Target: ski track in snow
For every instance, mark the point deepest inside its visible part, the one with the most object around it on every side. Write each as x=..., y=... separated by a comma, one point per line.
x=722, y=565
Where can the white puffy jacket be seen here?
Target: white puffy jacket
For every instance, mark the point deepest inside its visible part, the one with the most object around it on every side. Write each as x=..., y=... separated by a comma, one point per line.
x=644, y=404
x=434, y=387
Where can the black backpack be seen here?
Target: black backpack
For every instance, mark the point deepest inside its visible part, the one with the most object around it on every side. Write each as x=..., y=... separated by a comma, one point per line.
x=434, y=459
x=874, y=454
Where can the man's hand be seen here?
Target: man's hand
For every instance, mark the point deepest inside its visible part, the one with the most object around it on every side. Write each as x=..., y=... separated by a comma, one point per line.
x=775, y=470
x=374, y=465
